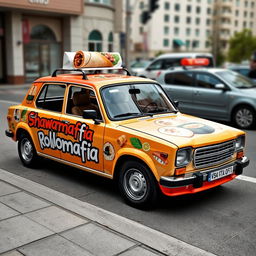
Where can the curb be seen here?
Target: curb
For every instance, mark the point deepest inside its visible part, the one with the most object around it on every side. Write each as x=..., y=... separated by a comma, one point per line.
x=152, y=238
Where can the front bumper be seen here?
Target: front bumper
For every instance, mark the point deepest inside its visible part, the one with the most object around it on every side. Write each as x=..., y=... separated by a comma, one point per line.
x=173, y=186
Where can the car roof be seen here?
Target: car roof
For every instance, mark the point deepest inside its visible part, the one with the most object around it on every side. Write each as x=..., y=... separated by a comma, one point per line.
x=181, y=69
x=95, y=80
x=183, y=54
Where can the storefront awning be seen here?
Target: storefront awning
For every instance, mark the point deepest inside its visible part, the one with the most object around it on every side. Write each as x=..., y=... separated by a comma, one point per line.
x=178, y=42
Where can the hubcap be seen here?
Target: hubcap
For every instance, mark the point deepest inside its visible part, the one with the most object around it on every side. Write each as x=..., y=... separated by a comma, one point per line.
x=135, y=184
x=244, y=117
x=26, y=150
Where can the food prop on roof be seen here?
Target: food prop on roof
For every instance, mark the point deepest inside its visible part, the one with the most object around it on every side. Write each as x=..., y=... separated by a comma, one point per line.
x=84, y=59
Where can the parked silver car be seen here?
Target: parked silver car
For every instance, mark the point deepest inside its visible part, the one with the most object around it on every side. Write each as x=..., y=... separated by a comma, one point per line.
x=217, y=94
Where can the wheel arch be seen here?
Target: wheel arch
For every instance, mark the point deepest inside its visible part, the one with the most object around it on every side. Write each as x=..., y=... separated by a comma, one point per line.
x=240, y=104
x=132, y=157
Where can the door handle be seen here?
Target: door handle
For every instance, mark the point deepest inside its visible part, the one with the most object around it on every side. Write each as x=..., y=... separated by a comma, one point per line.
x=65, y=121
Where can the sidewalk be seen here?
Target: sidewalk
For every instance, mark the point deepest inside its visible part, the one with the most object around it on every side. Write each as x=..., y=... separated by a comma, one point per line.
x=38, y=221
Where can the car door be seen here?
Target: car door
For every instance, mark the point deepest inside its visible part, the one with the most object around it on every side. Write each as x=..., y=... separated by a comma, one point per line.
x=44, y=120
x=179, y=86
x=82, y=139
x=208, y=101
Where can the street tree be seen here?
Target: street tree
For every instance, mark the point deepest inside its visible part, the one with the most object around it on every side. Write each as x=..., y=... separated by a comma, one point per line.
x=241, y=46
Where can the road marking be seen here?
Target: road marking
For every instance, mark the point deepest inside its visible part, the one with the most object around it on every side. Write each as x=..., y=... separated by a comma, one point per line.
x=9, y=102
x=246, y=178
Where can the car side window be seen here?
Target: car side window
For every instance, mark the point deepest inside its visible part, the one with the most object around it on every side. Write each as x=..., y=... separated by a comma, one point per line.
x=80, y=99
x=179, y=78
x=206, y=81
x=173, y=62
x=156, y=65
x=51, y=97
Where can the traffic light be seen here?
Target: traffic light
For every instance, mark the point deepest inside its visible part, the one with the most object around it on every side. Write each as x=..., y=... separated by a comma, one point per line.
x=145, y=16
x=153, y=5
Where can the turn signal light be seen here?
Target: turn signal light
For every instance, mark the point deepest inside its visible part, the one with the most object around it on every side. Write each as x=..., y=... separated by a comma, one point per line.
x=240, y=154
x=180, y=171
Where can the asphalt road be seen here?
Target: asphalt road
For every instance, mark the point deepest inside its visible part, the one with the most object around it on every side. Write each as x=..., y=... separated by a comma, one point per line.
x=221, y=220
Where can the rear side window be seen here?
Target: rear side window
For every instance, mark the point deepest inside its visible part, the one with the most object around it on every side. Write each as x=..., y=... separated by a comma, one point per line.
x=180, y=78
x=51, y=97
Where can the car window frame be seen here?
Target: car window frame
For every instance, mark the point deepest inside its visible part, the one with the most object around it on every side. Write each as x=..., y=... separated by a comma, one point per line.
x=85, y=87
x=178, y=85
x=212, y=75
x=148, y=68
x=41, y=90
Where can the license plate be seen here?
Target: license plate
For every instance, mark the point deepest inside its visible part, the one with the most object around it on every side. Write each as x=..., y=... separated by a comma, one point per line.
x=220, y=173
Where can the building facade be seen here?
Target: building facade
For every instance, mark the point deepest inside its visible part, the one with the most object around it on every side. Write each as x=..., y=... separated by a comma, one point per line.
x=35, y=33
x=190, y=25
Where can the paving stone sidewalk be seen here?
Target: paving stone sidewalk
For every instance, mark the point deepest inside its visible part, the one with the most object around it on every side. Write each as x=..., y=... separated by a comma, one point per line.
x=32, y=226
x=38, y=221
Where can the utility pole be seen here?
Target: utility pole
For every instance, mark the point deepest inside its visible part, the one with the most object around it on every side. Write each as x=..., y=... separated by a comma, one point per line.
x=127, y=33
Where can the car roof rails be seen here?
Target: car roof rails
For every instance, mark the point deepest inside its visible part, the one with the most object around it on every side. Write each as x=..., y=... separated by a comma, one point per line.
x=83, y=71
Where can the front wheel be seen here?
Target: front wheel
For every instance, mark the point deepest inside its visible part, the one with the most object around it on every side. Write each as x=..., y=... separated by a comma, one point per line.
x=244, y=117
x=138, y=185
x=27, y=152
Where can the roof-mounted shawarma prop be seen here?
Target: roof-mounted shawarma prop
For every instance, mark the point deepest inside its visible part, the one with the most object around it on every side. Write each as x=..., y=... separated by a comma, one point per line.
x=84, y=59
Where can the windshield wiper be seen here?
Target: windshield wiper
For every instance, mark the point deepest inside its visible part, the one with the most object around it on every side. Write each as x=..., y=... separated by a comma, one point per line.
x=127, y=114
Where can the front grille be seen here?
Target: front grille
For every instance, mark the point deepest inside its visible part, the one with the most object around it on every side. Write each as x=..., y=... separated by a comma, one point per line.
x=214, y=154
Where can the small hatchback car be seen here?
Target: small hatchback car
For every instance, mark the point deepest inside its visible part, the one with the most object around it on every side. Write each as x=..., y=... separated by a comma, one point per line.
x=213, y=93
x=124, y=128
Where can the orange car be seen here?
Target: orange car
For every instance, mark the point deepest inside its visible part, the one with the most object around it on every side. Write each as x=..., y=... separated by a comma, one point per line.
x=124, y=128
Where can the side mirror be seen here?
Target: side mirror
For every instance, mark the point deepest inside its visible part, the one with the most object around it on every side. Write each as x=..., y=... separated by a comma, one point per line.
x=220, y=87
x=91, y=114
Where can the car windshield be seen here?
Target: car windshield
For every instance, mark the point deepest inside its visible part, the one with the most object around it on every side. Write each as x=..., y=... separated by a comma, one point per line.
x=129, y=101
x=236, y=79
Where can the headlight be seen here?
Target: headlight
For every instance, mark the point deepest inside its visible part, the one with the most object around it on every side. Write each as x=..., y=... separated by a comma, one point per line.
x=240, y=141
x=183, y=156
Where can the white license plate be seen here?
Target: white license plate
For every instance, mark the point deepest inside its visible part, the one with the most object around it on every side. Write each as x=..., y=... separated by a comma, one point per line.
x=220, y=173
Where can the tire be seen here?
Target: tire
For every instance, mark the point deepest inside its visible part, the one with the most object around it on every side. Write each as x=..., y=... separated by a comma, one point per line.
x=26, y=150
x=137, y=185
x=244, y=117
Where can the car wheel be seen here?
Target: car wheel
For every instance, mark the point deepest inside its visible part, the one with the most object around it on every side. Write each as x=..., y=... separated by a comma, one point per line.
x=138, y=185
x=244, y=117
x=27, y=152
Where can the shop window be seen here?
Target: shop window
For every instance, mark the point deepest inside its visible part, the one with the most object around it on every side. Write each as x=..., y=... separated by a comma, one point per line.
x=41, y=32
x=95, y=41
x=110, y=42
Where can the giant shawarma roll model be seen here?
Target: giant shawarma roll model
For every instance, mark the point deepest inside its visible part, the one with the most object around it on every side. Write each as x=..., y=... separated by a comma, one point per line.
x=83, y=59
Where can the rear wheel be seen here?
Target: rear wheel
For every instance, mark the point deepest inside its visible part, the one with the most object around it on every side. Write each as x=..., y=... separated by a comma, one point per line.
x=27, y=152
x=244, y=117
x=138, y=185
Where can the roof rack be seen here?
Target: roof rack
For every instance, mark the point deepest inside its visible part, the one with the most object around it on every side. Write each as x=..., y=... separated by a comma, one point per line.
x=83, y=71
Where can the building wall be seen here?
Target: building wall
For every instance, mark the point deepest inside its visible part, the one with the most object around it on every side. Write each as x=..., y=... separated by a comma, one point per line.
x=234, y=16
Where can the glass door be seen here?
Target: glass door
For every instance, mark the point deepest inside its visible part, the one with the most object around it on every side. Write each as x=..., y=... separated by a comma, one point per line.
x=41, y=59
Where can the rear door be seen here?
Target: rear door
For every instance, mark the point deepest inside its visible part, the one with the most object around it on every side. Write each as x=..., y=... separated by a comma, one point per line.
x=208, y=101
x=44, y=120
x=179, y=86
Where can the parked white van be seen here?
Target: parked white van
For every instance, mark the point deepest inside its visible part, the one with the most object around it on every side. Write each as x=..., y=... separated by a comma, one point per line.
x=169, y=60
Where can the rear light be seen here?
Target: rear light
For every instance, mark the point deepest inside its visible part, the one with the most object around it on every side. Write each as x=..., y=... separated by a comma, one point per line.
x=195, y=62
x=9, y=119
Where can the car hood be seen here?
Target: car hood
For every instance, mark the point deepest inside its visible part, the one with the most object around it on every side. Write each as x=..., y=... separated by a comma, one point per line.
x=183, y=130
x=251, y=92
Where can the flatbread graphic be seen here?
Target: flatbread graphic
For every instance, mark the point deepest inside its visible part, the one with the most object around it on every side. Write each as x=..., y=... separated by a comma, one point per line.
x=84, y=59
